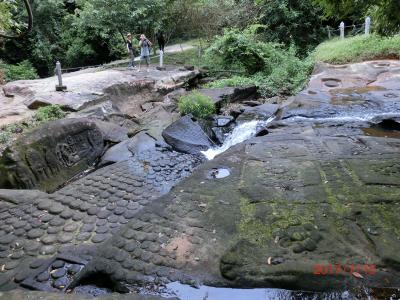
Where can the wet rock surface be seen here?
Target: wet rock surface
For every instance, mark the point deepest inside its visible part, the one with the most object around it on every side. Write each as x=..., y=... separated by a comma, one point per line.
x=86, y=213
x=186, y=135
x=315, y=191
x=222, y=96
x=364, y=89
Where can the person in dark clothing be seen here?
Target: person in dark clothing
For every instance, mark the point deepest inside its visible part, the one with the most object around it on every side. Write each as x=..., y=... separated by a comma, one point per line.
x=160, y=40
x=131, y=51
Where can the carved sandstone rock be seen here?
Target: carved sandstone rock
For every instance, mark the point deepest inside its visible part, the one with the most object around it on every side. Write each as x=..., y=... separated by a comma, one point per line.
x=51, y=154
x=186, y=135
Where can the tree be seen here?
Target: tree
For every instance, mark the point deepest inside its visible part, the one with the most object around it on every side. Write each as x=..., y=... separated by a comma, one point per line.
x=292, y=22
x=7, y=22
x=385, y=13
x=5, y=17
x=122, y=16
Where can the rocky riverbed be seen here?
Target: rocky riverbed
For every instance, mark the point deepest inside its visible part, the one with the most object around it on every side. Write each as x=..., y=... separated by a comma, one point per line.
x=314, y=195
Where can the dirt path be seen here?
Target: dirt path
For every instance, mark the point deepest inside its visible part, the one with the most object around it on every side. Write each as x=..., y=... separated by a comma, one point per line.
x=168, y=49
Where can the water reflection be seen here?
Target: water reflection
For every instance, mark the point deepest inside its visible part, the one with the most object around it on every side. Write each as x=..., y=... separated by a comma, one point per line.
x=186, y=292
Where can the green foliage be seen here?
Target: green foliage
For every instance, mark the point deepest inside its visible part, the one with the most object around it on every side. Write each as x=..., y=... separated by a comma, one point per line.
x=79, y=33
x=5, y=17
x=22, y=71
x=90, y=32
x=357, y=49
x=197, y=104
x=49, y=113
x=240, y=49
x=42, y=115
x=188, y=57
x=234, y=81
x=272, y=68
x=5, y=136
x=289, y=22
x=385, y=13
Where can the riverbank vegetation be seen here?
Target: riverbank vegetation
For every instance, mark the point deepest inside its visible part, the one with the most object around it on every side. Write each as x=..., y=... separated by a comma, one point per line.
x=197, y=104
x=41, y=116
x=359, y=48
x=265, y=42
x=20, y=71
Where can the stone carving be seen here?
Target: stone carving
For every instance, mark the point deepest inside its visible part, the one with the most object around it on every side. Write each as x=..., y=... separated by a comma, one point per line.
x=51, y=154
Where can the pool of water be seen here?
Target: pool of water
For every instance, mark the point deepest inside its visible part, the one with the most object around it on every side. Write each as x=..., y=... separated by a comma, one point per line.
x=187, y=292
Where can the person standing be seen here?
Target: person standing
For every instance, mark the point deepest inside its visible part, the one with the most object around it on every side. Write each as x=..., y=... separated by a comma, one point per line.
x=129, y=47
x=160, y=40
x=144, y=45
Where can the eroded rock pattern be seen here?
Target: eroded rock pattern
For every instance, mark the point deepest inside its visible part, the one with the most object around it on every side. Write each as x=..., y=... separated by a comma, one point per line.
x=316, y=190
x=87, y=212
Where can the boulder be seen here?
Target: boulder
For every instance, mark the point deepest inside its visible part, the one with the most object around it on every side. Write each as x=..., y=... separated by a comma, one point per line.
x=252, y=103
x=51, y=154
x=223, y=121
x=99, y=111
x=230, y=94
x=112, y=132
x=186, y=135
x=129, y=148
x=103, y=91
x=262, y=112
x=147, y=106
x=221, y=133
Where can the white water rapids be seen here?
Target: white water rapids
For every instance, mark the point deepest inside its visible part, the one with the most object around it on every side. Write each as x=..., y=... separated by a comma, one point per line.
x=240, y=134
x=247, y=130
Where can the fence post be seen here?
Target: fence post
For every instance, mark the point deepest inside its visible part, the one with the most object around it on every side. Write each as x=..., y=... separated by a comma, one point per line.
x=341, y=30
x=161, y=66
x=60, y=87
x=329, y=31
x=161, y=58
x=367, y=26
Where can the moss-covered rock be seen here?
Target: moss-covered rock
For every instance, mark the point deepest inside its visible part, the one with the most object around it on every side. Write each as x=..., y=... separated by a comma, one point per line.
x=52, y=154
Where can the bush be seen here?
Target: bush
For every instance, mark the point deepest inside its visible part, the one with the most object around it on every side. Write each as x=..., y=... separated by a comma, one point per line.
x=49, y=113
x=22, y=71
x=233, y=81
x=240, y=50
x=197, y=104
x=358, y=49
x=269, y=66
x=42, y=115
x=5, y=136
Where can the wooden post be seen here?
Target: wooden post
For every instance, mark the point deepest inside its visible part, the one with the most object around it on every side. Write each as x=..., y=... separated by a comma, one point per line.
x=341, y=30
x=367, y=26
x=329, y=31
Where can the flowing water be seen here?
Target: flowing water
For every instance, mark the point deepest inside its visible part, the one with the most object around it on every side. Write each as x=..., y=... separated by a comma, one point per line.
x=240, y=134
x=343, y=118
x=249, y=129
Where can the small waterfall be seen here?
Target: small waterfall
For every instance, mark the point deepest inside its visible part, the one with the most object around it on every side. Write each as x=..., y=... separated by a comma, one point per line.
x=240, y=134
